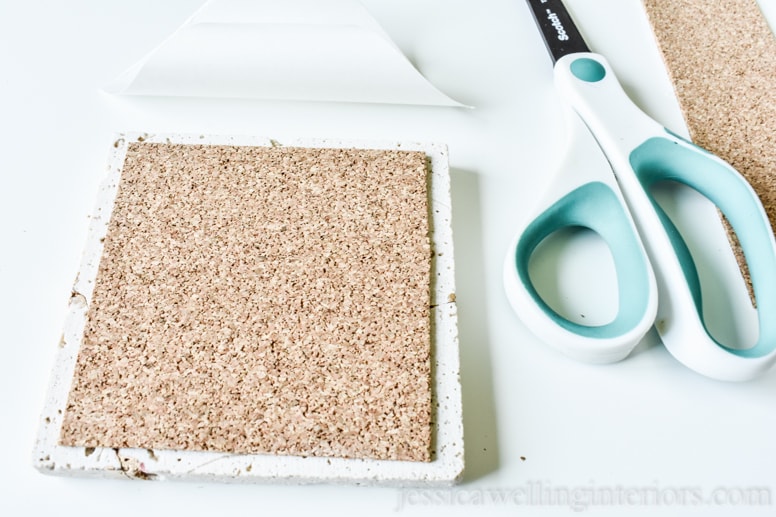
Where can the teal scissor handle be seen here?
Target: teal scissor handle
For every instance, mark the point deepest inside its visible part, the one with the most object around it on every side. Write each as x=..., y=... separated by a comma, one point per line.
x=669, y=158
x=646, y=247
x=591, y=200
x=598, y=207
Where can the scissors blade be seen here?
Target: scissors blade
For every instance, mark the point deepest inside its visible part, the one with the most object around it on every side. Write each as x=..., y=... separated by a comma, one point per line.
x=560, y=34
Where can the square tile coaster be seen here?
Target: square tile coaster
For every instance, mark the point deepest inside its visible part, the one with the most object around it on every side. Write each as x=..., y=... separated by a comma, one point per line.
x=262, y=369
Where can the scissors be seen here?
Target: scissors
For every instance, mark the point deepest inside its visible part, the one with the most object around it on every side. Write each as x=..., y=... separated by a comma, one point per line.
x=658, y=284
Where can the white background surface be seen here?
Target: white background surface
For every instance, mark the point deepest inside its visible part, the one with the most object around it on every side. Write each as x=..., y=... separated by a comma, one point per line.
x=644, y=426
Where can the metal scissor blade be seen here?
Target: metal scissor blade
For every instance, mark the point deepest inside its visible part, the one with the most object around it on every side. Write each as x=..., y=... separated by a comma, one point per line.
x=560, y=33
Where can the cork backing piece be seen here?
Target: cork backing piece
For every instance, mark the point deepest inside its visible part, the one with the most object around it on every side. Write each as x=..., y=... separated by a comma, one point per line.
x=721, y=58
x=261, y=300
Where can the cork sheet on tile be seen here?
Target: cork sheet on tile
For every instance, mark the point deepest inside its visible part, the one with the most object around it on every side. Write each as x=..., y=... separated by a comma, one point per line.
x=261, y=299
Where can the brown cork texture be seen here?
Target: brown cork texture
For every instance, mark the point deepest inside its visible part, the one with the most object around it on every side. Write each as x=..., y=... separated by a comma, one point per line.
x=261, y=300
x=721, y=58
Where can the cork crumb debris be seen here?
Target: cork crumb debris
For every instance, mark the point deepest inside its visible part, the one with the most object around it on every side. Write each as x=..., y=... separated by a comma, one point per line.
x=253, y=311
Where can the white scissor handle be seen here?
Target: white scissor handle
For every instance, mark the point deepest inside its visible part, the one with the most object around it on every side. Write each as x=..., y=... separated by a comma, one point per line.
x=586, y=196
